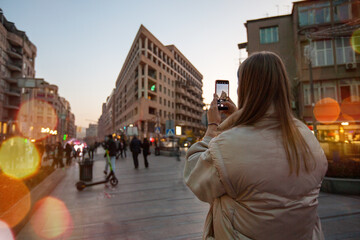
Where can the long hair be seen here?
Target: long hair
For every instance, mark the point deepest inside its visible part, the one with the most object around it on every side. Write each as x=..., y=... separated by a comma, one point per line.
x=263, y=81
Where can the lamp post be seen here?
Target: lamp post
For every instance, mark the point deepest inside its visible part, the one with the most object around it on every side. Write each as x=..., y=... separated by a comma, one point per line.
x=312, y=97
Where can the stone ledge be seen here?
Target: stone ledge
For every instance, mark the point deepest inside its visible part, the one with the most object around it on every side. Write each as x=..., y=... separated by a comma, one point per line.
x=41, y=190
x=341, y=185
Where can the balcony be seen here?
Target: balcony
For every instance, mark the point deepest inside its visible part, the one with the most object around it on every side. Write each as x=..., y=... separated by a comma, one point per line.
x=11, y=106
x=14, y=39
x=13, y=66
x=13, y=92
x=10, y=80
x=14, y=54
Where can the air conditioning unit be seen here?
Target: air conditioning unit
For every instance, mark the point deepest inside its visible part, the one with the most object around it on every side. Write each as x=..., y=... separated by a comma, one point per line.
x=350, y=65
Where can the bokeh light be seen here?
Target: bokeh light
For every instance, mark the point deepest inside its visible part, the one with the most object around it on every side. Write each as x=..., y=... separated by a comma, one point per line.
x=37, y=119
x=19, y=158
x=326, y=110
x=355, y=40
x=52, y=219
x=350, y=108
x=15, y=195
x=5, y=231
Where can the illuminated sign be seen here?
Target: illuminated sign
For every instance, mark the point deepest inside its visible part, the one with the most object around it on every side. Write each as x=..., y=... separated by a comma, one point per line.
x=48, y=130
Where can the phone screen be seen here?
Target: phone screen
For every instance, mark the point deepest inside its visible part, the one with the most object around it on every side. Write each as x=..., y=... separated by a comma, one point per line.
x=222, y=89
x=222, y=92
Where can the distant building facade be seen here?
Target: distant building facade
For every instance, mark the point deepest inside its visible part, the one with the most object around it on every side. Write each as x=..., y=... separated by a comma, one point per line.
x=92, y=130
x=334, y=53
x=17, y=60
x=156, y=83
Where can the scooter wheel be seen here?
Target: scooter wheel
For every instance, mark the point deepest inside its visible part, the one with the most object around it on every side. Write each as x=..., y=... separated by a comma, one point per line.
x=80, y=186
x=114, y=182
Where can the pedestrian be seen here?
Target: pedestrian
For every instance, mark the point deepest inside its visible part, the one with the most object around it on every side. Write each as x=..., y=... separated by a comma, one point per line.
x=59, y=154
x=135, y=148
x=110, y=147
x=68, y=151
x=92, y=148
x=260, y=169
x=146, y=151
x=124, y=147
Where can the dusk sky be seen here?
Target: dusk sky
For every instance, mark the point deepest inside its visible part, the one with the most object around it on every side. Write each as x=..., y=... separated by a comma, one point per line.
x=82, y=44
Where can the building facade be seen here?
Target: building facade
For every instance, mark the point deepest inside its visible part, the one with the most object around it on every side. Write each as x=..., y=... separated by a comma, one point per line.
x=17, y=60
x=325, y=33
x=92, y=130
x=156, y=83
x=45, y=115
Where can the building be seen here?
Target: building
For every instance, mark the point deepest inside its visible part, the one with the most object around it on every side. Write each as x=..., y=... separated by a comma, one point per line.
x=46, y=115
x=325, y=32
x=17, y=60
x=80, y=132
x=156, y=83
x=92, y=130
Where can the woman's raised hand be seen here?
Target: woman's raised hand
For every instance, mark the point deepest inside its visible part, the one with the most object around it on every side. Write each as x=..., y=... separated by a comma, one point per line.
x=213, y=114
x=231, y=107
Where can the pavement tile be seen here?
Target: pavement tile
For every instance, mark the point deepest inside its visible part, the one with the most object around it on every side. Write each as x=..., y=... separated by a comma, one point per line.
x=154, y=203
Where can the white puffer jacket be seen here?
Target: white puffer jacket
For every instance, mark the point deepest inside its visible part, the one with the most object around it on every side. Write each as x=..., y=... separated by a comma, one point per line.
x=245, y=176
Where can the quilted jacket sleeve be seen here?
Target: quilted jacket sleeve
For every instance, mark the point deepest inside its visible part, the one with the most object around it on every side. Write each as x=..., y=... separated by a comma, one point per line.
x=200, y=173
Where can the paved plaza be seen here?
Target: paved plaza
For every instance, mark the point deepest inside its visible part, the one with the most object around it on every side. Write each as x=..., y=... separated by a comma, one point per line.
x=154, y=203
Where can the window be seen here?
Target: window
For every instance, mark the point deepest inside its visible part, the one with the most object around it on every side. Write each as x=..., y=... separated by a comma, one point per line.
x=342, y=10
x=160, y=100
x=344, y=92
x=160, y=111
x=165, y=90
x=344, y=52
x=269, y=35
x=165, y=102
x=317, y=13
x=151, y=110
x=169, y=92
x=329, y=92
x=168, y=103
x=307, y=95
x=322, y=53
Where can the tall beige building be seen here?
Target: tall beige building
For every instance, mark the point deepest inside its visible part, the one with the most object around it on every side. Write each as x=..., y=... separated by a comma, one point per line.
x=17, y=60
x=156, y=83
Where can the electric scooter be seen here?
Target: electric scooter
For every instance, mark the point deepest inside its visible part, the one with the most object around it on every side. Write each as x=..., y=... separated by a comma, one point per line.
x=109, y=178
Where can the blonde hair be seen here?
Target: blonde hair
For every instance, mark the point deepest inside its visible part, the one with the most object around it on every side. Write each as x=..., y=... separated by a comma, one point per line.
x=263, y=81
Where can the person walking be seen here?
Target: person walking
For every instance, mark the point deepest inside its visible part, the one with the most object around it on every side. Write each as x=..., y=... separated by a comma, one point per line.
x=124, y=147
x=260, y=169
x=146, y=151
x=135, y=148
x=68, y=151
x=110, y=146
x=59, y=154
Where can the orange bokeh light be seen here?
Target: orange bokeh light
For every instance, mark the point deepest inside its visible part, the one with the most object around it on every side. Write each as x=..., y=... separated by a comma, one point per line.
x=52, y=219
x=326, y=110
x=35, y=115
x=5, y=231
x=13, y=191
x=350, y=107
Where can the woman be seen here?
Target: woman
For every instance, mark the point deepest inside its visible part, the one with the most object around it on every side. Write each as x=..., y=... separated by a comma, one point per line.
x=260, y=169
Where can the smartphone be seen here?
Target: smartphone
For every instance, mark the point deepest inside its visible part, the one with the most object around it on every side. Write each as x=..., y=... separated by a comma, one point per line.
x=222, y=92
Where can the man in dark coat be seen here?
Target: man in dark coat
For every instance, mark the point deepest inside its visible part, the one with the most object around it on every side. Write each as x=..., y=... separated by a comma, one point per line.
x=68, y=151
x=135, y=148
x=146, y=150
